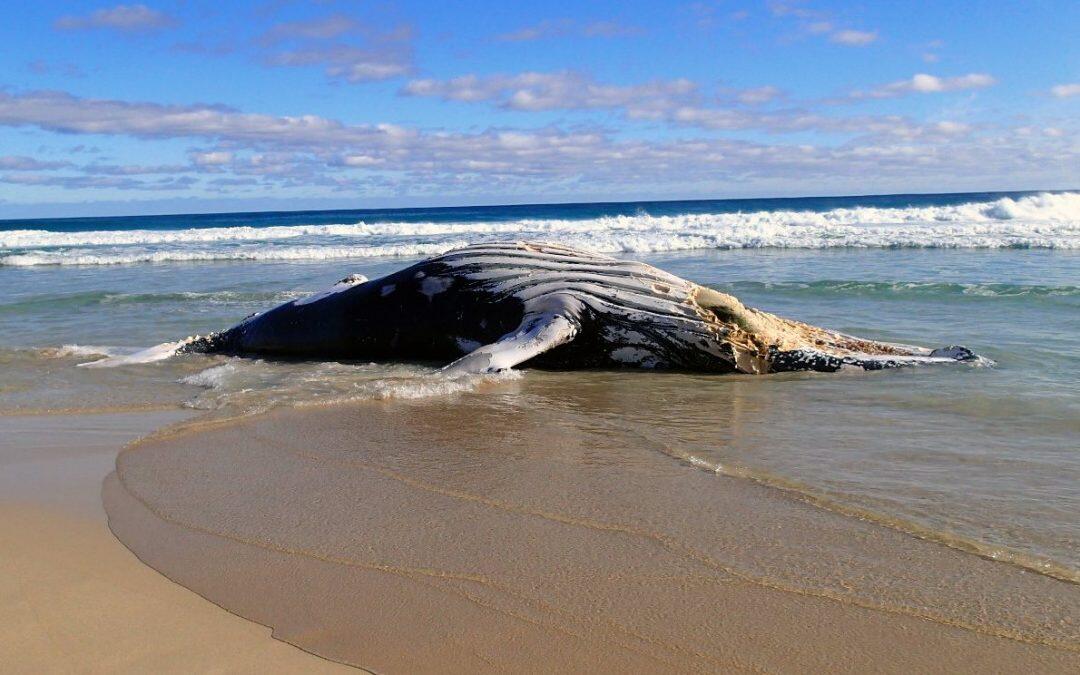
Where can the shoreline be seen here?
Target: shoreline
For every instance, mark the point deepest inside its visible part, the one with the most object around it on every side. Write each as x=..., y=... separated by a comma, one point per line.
x=71, y=593
x=359, y=475
x=788, y=585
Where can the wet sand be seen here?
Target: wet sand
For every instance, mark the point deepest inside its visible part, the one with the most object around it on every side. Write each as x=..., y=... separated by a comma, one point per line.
x=72, y=597
x=466, y=535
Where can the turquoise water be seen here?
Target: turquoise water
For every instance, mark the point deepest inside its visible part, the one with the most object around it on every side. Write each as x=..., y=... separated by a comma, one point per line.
x=982, y=458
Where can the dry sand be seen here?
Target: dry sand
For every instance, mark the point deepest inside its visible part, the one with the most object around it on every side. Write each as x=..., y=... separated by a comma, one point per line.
x=72, y=598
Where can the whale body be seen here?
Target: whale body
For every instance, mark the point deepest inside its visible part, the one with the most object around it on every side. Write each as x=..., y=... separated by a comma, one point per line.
x=493, y=306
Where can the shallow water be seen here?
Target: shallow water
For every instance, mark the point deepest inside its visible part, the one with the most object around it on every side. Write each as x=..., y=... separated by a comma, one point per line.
x=526, y=527
x=986, y=459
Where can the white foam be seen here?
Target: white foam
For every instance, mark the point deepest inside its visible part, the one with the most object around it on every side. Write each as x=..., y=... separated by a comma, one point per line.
x=433, y=385
x=282, y=253
x=35, y=238
x=216, y=377
x=1043, y=220
x=83, y=350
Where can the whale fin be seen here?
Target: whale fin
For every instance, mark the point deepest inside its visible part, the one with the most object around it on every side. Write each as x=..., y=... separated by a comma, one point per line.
x=149, y=355
x=538, y=333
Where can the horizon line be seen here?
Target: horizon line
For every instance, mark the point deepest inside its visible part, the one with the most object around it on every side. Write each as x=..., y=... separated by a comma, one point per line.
x=601, y=202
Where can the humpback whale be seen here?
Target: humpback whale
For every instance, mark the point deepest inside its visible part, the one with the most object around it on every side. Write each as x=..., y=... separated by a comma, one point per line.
x=492, y=306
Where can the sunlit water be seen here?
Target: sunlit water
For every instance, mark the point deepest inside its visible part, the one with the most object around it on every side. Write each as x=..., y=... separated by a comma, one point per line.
x=982, y=458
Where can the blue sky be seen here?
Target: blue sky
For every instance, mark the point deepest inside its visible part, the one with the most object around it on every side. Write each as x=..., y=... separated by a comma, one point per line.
x=202, y=106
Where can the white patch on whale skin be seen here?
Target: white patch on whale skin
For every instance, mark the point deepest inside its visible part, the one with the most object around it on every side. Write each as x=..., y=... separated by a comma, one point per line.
x=633, y=356
x=432, y=286
x=539, y=331
x=343, y=285
x=387, y=290
x=624, y=335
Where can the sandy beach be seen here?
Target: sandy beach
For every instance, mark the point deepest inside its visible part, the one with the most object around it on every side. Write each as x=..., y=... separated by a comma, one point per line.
x=73, y=598
x=478, y=338
x=477, y=539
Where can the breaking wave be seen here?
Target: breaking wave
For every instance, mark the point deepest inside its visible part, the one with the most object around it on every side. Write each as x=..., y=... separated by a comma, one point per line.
x=1045, y=220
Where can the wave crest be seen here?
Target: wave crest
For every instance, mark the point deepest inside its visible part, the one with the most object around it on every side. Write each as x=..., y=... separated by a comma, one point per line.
x=1045, y=220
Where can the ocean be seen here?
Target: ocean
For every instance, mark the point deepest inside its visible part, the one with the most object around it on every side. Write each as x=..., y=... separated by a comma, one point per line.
x=982, y=459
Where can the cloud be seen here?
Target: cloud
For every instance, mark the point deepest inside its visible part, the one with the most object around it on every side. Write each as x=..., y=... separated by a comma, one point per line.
x=132, y=169
x=43, y=67
x=559, y=28
x=325, y=28
x=706, y=15
x=793, y=120
x=85, y=182
x=123, y=18
x=759, y=95
x=22, y=163
x=351, y=64
x=672, y=101
x=930, y=50
x=64, y=113
x=1066, y=90
x=927, y=84
x=853, y=38
x=564, y=90
x=205, y=48
x=212, y=158
x=309, y=152
x=814, y=22
x=793, y=9
x=387, y=54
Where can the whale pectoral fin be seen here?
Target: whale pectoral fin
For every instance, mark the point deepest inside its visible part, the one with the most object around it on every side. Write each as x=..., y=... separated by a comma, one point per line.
x=537, y=334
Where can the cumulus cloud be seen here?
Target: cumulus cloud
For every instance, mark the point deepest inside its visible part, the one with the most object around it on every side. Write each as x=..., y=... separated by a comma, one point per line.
x=927, y=84
x=1066, y=90
x=759, y=95
x=677, y=102
x=351, y=64
x=212, y=158
x=123, y=18
x=85, y=182
x=23, y=163
x=564, y=90
x=853, y=38
x=556, y=28
x=323, y=28
x=385, y=54
x=43, y=67
x=308, y=151
x=791, y=120
x=132, y=169
x=814, y=22
x=62, y=112
x=708, y=14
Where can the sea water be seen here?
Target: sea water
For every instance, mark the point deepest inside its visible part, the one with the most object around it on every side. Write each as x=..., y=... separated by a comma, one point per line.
x=986, y=459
